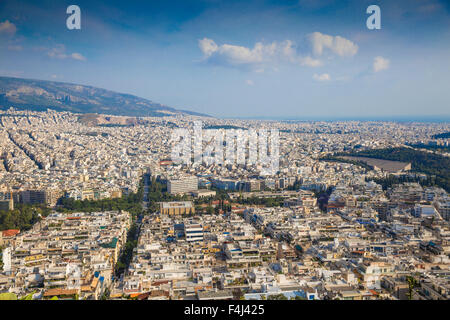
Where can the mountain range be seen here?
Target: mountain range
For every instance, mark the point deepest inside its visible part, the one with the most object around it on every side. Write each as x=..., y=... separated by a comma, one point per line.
x=40, y=95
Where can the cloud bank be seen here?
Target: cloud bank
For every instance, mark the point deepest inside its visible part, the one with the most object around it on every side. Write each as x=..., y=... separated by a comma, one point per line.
x=261, y=54
x=276, y=52
x=59, y=52
x=338, y=45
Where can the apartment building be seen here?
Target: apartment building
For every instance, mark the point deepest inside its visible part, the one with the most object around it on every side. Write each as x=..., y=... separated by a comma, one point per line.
x=7, y=205
x=182, y=185
x=193, y=232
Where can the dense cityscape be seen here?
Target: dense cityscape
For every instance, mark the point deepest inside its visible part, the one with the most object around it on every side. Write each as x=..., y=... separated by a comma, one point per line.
x=357, y=210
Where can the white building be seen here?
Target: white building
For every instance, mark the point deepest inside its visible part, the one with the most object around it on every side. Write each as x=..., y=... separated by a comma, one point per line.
x=193, y=232
x=182, y=185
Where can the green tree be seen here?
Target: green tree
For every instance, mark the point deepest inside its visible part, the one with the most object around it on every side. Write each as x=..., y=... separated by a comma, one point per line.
x=412, y=283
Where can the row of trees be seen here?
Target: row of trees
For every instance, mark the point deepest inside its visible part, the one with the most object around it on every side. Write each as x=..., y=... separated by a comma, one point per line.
x=439, y=148
x=266, y=202
x=127, y=203
x=127, y=251
x=22, y=217
x=131, y=203
x=392, y=180
x=223, y=197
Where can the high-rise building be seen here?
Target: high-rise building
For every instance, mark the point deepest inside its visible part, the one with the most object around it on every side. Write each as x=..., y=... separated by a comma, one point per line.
x=251, y=185
x=6, y=201
x=33, y=196
x=182, y=185
x=7, y=205
x=49, y=197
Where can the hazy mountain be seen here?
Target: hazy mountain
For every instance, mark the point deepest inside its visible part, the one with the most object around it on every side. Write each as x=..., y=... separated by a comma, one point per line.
x=40, y=95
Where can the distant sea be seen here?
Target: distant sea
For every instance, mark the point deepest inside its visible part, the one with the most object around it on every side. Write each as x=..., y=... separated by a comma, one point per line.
x=434, y=118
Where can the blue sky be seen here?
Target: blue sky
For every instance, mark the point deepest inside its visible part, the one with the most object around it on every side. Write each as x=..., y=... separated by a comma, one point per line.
x=300, y=59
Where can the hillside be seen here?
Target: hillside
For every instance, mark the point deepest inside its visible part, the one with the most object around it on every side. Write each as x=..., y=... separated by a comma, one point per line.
x=40, y=95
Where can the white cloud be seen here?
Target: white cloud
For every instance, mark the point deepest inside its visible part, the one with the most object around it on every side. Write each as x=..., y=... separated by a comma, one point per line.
x=207, y=46
x=256, y=57
x=249, y=82
x=322, y=77
x=236, y=55
x=78, y=56
x=7, y=27
x=380, y=63
x=338, y=45
x=319, y=41
x=59, y=52
x=310, y=62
